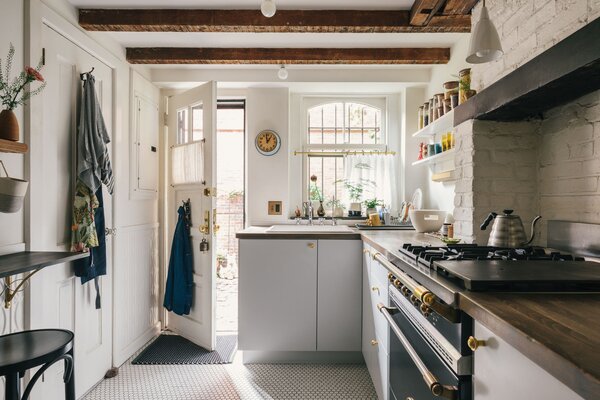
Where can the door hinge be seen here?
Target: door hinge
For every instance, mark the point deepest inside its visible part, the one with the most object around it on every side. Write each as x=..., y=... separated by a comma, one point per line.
x=210, y=192
x=165, y=119
x=43, y=56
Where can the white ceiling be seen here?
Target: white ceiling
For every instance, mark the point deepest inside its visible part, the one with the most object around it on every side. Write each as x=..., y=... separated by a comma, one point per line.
x=250, y=4
x=298, y=40
x=307, y=40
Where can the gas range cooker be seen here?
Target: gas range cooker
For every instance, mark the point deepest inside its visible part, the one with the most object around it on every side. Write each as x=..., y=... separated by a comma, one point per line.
x=485, y=268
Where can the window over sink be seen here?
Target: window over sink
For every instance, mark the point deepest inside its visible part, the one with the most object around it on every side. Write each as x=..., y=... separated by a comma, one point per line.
x=345, y=144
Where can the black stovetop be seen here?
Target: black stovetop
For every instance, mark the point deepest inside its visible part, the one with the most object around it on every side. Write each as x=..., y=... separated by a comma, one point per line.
x=483, y=268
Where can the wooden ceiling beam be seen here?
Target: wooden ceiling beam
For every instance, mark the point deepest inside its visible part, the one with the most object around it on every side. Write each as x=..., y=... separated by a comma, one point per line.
x=423, y=12
x=182, y=55
x=296, y=21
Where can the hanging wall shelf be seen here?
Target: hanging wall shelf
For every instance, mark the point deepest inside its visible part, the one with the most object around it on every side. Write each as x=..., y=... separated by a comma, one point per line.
x=8, y=146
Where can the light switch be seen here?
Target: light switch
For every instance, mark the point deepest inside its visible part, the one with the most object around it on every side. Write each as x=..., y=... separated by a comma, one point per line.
x=275, y=208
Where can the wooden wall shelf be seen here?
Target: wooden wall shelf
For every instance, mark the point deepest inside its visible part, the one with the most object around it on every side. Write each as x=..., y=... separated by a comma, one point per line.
x=8, y=146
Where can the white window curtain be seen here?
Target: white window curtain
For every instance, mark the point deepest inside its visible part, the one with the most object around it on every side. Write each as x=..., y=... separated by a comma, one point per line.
x=187, y=163
x=377, y=174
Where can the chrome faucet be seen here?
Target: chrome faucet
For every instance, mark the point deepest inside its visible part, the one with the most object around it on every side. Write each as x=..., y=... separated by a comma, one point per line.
x=333, y=220
x=310, y=213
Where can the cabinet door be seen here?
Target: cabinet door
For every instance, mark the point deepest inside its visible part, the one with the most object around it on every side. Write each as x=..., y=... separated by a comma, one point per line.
x=502, y=372
x=278, y=295
x=339, y=295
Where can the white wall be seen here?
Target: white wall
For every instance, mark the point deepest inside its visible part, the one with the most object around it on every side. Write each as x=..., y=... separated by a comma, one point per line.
x=12, y=235
x=267, y=177
x=11, y=30
x=437, y=195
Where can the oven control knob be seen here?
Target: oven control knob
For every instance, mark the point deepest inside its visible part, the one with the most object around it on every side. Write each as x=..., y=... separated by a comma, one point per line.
x=425, y=310
x=474, y=343
x=405, y=291
x=391, y=277
x=397, y=283
x=414, y=300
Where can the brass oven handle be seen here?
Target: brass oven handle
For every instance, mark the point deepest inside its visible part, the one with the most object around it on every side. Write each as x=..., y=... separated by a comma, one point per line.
x=437, y=389
x=421, y=292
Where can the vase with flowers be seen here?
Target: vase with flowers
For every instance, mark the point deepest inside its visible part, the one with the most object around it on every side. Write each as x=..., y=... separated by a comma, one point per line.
x=15, y=93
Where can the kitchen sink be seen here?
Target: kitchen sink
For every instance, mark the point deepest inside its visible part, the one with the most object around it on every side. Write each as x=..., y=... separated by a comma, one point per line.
x=310, y=229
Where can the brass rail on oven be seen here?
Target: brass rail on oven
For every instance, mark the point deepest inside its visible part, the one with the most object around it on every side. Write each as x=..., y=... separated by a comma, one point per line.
x=437, y=389
x=418, y=294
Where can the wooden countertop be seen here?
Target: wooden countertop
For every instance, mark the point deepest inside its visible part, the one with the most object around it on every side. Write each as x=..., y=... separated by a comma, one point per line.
x=560, y=331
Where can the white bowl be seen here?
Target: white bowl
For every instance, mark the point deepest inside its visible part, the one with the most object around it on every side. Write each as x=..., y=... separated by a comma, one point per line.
x=427, y=220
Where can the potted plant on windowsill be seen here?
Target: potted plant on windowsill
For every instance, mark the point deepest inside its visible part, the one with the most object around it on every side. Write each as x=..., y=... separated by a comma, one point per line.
x=16, y=93
x=355, y=192
x=337, y=207
x=372, y=205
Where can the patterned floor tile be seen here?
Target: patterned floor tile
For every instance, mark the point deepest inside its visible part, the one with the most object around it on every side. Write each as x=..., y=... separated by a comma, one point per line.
x=237, y=381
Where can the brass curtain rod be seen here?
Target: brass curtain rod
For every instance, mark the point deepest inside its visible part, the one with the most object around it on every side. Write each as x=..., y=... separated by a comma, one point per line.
x=346, y=153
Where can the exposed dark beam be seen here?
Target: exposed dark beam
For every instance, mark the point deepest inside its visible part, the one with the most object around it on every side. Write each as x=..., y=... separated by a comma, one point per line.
x=459, y=7
x=423, y=11
x=316, y=21
x=182, y=55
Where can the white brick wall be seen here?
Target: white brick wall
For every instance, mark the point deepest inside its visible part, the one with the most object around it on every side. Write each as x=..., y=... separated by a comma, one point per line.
x=549, y=167
x=527, y=28
x=569, y=178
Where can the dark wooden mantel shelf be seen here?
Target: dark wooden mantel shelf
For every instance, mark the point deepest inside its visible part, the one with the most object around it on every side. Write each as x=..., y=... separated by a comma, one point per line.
x=564, y=72
x=26, y=261
x=8, y=146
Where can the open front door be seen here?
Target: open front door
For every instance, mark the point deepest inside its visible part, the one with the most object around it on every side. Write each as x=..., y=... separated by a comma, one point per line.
x=192, y=167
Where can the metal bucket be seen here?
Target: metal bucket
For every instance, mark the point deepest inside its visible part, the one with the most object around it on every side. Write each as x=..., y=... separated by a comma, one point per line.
x=12, y=192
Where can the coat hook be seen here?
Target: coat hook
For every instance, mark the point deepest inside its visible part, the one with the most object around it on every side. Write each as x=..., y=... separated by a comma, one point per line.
x=85, y=74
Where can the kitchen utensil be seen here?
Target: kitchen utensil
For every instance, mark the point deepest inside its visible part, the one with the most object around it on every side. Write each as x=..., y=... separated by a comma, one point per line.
x=406, y=206
x=427, y=220
x=508, y=230
x=417, y=199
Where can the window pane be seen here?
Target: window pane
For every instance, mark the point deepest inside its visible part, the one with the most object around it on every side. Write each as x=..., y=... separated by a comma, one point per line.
x=315, y=168
x=315, y=123
x=197, y=122
x=182, y=126
x=329, y=122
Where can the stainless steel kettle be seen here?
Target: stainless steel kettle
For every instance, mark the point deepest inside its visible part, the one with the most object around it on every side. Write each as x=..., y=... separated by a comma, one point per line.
x=508, y=230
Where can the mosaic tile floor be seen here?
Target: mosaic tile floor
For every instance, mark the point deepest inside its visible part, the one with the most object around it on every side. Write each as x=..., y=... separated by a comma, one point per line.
x=237, y=382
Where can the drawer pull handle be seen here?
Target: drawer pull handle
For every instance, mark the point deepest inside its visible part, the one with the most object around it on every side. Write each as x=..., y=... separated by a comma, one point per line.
x=436, y=388
x=375, y=289
x=374, y=342
x=311, y=245
x=474, y=343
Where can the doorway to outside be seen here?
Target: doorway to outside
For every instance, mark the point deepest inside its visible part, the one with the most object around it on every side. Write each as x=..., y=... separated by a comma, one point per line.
x=231, y=117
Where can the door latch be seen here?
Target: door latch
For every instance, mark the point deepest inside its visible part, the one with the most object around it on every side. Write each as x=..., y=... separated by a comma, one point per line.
x=210, y=192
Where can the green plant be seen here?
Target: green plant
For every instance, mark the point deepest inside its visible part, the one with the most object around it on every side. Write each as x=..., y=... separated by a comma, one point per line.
x=235, y=194
x=372, y=203
x=355, y=190
x=331, y=203
x=14, y=94
x=315, y=193
x=221, y=258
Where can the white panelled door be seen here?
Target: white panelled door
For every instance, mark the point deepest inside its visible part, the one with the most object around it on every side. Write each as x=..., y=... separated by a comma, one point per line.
x=192, y=169
x=58, y=300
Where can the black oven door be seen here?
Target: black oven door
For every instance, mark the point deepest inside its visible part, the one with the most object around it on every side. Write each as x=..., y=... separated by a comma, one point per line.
x=416, y=371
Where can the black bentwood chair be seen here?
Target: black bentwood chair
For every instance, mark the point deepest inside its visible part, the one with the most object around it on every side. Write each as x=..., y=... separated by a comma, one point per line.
x=29, y=349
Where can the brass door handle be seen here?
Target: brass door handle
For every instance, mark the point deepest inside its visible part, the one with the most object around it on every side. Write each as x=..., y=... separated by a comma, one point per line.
x=474, y=343
x=311, y=245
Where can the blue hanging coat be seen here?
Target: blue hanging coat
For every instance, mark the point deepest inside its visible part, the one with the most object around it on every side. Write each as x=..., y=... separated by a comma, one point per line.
x=180, y=278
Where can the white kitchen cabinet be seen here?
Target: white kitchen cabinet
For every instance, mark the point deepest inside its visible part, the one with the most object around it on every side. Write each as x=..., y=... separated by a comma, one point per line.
x=502, y=372
x=278, y=295
x=339, y=295
x=374, y=327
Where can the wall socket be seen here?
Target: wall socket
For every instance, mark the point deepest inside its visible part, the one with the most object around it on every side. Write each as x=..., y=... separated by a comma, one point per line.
x=275, y=208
